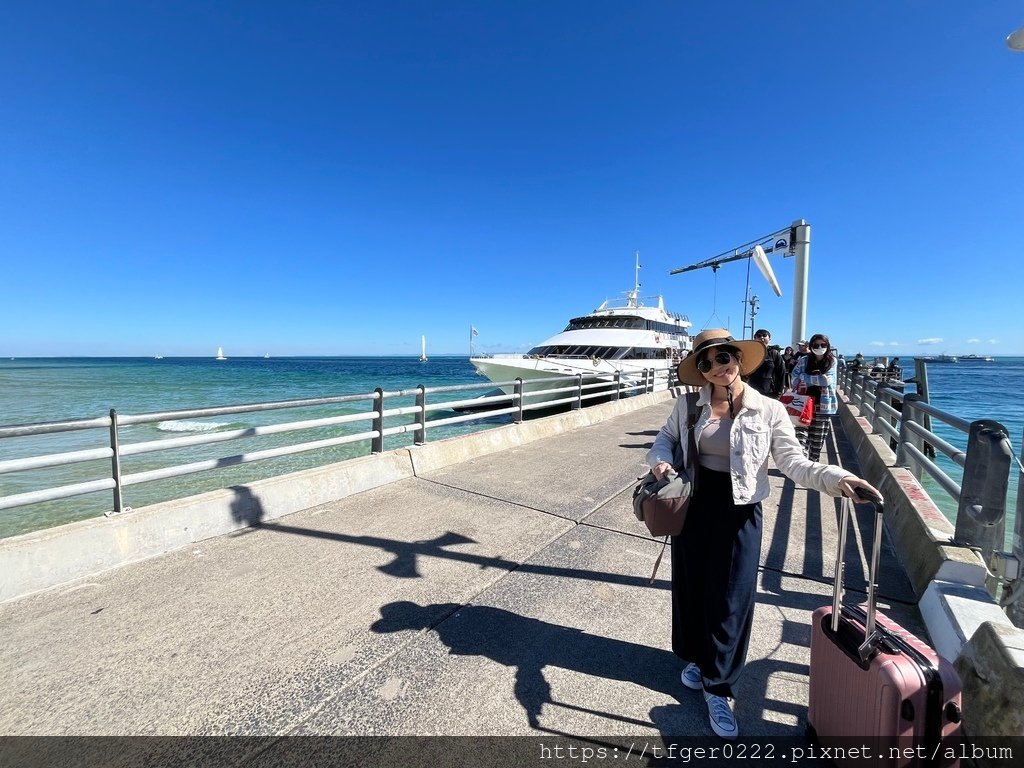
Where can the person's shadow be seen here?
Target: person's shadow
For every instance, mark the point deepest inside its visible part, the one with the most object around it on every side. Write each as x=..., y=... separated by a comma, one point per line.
x=246, y=508
x=529, y=645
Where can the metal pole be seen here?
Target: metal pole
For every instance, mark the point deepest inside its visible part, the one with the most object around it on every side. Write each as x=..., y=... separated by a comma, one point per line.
x=115, y=463
x=746, y=300
x=377, y=441
x=518, y=400
x=578, y=402
x=906, y=436
x=921, y=382
x=878, y=412
x=802, y=250
x=420, y=435
x=618, y=384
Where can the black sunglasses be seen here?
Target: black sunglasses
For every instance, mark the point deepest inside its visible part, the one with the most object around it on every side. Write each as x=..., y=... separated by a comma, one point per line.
x=722, y=358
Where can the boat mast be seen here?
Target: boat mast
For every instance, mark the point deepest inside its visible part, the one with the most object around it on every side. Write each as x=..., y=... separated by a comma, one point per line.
x=634, y=295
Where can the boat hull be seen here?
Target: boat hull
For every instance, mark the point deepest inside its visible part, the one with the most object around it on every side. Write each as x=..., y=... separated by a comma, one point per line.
x=503, y=371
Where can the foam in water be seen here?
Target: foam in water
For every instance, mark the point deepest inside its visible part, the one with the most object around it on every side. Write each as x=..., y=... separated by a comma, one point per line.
x=189, y=426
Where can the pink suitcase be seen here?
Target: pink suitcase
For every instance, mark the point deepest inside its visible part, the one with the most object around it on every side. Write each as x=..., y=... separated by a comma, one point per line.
x=874, y=682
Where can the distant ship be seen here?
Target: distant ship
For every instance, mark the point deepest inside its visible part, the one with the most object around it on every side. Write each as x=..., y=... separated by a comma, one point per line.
x=977, y=359
x=938, y=358
x=423, y=349
x=159, y=357
x=266, y=356
x=220, y=353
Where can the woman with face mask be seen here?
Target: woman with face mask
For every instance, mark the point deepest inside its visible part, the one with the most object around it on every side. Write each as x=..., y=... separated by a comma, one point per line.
x=817, y=373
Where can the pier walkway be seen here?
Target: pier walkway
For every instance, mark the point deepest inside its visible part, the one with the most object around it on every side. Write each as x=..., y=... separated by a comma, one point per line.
x=504, y=595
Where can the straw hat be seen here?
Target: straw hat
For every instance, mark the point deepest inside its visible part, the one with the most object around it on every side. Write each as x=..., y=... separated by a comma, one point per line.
x=751, y=351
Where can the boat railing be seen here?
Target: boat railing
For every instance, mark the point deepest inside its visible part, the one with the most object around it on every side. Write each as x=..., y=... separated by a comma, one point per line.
x=389, y=413
x=984, y=455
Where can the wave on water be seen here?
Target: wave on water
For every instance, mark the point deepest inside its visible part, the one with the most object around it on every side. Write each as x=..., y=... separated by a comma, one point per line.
x=192, y=426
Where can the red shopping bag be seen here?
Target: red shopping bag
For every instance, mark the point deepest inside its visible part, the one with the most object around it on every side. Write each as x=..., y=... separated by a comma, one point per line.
x=799, y=407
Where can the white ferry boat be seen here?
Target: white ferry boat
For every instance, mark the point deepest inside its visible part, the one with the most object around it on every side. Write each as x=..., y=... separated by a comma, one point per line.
x=627, y=336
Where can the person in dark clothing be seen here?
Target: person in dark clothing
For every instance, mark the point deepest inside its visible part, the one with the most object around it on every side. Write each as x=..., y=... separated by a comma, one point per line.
x=770, y=376
x=789, y=358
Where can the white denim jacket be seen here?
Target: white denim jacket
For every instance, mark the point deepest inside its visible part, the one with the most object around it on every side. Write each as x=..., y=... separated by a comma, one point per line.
x=761, y=427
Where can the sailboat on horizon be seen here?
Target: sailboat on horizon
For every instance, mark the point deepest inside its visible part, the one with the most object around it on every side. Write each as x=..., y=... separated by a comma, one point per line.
x=220, y=354
x=423, y=349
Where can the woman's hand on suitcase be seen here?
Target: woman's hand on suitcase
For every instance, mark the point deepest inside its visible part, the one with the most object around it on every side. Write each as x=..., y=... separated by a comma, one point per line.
x=852, y=483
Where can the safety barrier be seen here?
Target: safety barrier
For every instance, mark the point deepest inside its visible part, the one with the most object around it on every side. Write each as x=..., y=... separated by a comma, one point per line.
x=986, y=459
x=518, y=397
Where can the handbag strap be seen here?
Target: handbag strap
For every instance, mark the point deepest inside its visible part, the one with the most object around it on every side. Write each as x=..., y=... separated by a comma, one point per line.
x=657, y=563
x=691, y=422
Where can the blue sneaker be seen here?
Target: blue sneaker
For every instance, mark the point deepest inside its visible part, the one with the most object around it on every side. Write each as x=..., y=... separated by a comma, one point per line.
x=721, y=717
x=691, y=677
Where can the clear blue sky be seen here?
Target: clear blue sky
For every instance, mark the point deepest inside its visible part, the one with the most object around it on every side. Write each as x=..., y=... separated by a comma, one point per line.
x=340, y=178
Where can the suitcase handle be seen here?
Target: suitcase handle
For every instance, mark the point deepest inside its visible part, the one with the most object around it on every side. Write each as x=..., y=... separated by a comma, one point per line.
x=871, y=636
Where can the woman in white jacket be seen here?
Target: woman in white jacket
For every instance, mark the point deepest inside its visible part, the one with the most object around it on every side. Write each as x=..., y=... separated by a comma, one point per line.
x=715, y=558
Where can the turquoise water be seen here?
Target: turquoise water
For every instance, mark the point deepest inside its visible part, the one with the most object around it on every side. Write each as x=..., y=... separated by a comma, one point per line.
x=976, y=390
x=34, y=390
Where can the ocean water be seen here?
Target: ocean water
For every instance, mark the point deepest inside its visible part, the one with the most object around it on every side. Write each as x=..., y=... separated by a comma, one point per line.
x=976, y=390
x=36, y=390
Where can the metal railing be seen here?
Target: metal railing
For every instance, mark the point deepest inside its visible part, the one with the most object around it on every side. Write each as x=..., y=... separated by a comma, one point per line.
x=524, y=397
x=986, y=458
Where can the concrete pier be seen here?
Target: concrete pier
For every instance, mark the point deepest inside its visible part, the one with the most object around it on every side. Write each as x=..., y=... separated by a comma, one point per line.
x=504, y=594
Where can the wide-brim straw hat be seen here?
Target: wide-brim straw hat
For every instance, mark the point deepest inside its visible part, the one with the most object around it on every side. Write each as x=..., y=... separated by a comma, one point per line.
x=751, y=354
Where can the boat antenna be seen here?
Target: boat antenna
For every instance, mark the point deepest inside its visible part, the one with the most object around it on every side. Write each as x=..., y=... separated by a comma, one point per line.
x=634, y=295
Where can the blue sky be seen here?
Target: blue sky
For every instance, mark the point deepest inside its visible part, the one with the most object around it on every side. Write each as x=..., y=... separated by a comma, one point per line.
x=340, y=178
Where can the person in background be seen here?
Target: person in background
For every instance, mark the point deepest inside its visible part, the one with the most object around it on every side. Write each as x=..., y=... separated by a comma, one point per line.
x=894, y=371
x=770, y=376
x=817, y=374
x=789, y=357
x=801, y=349
x=858, y=363
x=715, y=557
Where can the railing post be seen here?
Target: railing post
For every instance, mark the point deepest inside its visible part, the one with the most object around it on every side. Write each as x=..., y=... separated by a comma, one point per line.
x=578, y=402
x=518, y=398
x=420, y=435
x=618, y=384
x=980, y=518
x=377, y=442
x=115, y=463
x=921, y=383
x=891, y=400
x=906, y=436
x=877, y=417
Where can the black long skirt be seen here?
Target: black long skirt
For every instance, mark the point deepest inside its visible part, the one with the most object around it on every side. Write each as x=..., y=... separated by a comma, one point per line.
x=714, y=581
